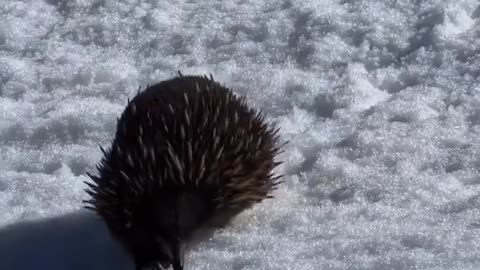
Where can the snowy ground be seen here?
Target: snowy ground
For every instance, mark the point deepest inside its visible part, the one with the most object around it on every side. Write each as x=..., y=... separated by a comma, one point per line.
x=380, y=101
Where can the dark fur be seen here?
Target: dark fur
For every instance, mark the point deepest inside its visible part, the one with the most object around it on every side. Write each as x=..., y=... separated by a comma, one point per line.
x=187, y=153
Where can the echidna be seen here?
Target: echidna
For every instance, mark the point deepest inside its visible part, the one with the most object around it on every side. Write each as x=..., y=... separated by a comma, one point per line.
x=188, y=153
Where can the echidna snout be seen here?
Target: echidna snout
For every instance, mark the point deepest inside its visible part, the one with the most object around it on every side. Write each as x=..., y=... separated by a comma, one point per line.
x=187, y=154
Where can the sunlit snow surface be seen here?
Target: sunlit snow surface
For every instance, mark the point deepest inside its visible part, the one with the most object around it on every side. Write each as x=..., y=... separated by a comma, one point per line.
x=380, y=101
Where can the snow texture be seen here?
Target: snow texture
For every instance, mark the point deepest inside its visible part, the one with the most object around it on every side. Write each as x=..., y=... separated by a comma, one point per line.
x=380, y=101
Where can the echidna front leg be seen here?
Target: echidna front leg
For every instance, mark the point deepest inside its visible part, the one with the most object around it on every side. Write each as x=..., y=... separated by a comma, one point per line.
x=157, y=266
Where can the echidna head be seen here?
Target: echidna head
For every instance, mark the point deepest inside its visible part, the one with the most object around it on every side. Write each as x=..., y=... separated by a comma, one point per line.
x=159, y=237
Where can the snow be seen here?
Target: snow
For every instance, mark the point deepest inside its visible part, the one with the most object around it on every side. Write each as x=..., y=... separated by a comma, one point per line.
x=379, y=100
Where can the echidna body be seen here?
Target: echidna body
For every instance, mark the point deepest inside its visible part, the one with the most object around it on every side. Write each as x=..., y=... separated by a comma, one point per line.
x=187, y=153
